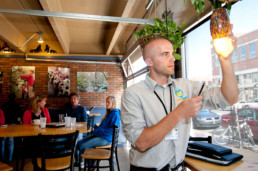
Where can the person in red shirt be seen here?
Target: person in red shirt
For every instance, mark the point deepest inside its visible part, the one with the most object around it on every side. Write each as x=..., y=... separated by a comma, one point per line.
x=2, y=119
x=30, y=83
x=24, y=91
x=36, y=110
x=2, y=145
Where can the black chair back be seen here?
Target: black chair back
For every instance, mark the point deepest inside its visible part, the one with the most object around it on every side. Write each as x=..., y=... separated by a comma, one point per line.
x=57, y=146
x=90, y=124
x=114, y=139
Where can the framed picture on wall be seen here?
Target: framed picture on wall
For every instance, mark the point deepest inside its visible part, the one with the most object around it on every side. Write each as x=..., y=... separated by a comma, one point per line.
x=58, y=81
x=91, y=81
x=22, y=83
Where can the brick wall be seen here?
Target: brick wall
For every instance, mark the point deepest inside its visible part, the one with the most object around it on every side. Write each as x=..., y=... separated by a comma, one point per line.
x=97, y=99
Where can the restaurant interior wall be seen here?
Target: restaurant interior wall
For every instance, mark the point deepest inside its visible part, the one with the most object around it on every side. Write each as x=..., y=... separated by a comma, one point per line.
x=97, y=99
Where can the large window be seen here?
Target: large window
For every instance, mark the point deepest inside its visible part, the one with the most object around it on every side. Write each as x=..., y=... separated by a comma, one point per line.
x=252, y=50
x=235, y=56
x=134, y=67
x=202, y=65
x=243, y=52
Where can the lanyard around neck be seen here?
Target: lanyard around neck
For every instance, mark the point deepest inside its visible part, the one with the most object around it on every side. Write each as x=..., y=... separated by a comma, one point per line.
x=162, y=101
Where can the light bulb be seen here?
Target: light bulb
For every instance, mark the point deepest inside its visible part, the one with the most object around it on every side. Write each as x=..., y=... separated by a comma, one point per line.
x=40, y=40
x=223, y=46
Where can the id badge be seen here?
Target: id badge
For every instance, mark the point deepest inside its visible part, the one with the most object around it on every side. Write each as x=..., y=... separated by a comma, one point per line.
x=173, y=135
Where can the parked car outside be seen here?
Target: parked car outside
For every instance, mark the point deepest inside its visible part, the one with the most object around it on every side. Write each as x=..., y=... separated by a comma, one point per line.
x=249, y=112
x=206, y=119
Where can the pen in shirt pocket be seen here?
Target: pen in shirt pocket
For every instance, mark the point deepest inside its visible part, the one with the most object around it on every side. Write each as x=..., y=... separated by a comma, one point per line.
x=201, y=89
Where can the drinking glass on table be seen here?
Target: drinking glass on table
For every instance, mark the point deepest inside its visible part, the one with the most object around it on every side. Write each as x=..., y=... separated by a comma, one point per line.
x=43, y=121
x=61, y=118
x=73, y=122
x=67, y=121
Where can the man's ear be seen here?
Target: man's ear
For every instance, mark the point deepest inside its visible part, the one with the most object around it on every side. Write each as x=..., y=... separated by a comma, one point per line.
x=148, y=62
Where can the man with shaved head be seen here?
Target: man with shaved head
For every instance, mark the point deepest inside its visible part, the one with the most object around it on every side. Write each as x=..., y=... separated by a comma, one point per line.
x=156, y=113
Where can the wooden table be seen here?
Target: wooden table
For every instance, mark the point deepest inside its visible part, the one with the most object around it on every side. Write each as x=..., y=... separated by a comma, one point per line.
x=31, y=130
x=94, y=114
x=249, y=162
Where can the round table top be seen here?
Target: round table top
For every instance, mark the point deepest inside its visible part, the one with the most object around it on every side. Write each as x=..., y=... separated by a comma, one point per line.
x=34, y=130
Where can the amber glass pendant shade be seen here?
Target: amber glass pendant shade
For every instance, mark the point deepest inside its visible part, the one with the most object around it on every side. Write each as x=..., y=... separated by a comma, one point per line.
x=219, y=23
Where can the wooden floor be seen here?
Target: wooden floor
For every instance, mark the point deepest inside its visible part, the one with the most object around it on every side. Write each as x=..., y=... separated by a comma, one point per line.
x=123, y=157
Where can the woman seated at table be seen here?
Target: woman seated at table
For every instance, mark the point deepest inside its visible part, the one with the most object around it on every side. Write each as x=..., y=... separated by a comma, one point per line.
x=2, y=118
x=37, y=110
x=102, y=135
x=2, y=146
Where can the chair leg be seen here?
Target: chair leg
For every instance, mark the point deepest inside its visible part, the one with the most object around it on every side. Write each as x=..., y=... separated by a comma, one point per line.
x=111, y=164
x=117, y=163
x=98, y=161
x=85, y=165
x=22, y=164
x=80, y=160
x=17, y=164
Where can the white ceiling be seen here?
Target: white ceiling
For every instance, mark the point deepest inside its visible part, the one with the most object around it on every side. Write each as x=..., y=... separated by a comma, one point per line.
x=81, y=37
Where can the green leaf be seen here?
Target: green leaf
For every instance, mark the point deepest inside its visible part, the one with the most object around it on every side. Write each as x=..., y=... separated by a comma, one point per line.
x=177, y=56
x=158, y=22
x=136, y=35
x=229, y=5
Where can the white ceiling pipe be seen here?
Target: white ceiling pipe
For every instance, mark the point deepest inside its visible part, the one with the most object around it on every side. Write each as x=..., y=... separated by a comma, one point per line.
x=79, y=16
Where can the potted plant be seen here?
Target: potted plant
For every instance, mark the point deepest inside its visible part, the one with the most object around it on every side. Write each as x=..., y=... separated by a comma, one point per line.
x=167, y=30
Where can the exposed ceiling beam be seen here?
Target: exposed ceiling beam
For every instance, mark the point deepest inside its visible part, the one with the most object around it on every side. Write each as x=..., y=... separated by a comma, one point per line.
x=11, y=34
x=79, y=16
x=127, y=10
x=58, y=24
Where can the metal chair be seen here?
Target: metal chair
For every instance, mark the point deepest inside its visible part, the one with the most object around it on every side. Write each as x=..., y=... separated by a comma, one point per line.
x=108, y=147
x=5, y=167
x=102, y=154
x=90, y=124
x=57, y=151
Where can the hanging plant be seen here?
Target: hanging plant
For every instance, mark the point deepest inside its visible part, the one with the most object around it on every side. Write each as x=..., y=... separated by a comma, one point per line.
x=167, y=30
x=199, y=5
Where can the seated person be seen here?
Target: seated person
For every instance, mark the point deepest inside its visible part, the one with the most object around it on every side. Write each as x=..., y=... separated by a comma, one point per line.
x=2, y=118
x=73, y=108
x=12, y=112
x=36, y=110
x=102, y=135
x=2, y=122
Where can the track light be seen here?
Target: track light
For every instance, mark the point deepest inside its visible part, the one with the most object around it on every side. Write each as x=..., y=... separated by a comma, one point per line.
x=40, y=38
x=39, y=41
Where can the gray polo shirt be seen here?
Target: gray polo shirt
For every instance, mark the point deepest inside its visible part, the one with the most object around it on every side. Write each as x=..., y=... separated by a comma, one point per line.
x=141, y=108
